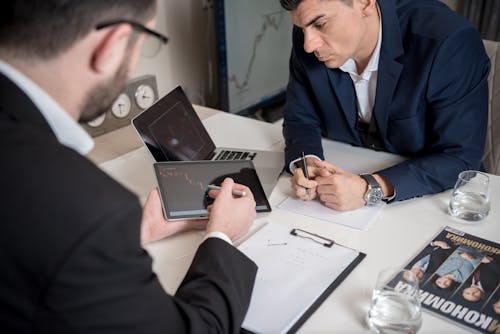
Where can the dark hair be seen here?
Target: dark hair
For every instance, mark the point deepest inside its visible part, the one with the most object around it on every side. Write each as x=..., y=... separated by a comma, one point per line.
x=293, y=4
x=45, y=28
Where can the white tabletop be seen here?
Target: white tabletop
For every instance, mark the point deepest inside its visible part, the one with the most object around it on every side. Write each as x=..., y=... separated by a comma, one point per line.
x=398, y=233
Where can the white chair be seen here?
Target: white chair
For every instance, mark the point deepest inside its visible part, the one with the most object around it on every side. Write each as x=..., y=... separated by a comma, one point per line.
x=491, y=157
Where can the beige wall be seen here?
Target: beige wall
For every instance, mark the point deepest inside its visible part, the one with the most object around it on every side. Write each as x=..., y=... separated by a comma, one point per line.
x=185, y=59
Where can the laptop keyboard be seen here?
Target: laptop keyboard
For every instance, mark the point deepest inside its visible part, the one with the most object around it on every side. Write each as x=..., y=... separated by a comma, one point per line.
x=235, y=155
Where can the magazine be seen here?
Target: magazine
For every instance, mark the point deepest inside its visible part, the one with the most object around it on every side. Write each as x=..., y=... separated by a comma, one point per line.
x=459, y=278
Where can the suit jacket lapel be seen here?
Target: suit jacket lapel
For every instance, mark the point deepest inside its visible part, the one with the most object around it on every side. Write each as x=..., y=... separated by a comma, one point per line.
x=389, y=69
x=343, y=87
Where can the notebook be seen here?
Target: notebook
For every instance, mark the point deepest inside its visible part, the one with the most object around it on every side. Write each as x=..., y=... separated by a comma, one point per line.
x=172, y=130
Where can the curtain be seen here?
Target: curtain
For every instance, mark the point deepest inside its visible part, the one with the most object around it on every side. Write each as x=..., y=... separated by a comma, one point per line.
x=485, y=15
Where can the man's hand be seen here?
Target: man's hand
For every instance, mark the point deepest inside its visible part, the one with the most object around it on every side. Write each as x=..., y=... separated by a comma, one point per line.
x=300, y=183
x=338, y=189
x=155, y=227
x=230, y=214
x=440, y=244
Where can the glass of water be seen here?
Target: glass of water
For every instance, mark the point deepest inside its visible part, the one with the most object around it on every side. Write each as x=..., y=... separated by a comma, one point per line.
x=395, y=306
x=470, y=199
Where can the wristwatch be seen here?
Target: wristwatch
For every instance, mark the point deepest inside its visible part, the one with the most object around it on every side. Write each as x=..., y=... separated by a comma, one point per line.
x=374, y=193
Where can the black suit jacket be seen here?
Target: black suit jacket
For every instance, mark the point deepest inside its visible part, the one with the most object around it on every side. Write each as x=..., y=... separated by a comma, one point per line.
x=70, y=247
x=437, y=256
x=489, y=276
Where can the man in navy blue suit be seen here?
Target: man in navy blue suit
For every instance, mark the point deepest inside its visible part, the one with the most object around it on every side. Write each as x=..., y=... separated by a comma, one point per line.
x=403, y=76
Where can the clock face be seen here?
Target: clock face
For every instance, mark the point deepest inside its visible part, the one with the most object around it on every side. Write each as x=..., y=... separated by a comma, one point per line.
x=144, y=96
x=121, y=106
x=97, y=121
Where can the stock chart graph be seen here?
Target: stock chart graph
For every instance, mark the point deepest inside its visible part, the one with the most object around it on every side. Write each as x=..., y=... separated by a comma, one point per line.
x=258, y=44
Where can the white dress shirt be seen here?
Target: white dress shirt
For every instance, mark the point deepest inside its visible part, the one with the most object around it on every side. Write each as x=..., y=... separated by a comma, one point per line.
x=365, y=83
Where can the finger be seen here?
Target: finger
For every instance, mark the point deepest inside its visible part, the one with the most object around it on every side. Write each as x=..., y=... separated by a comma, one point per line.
x=308, y=184
x=213, y=193
x=300, y=180
x=304, y=194
x=328, y=166
x=328, y=198
x=332, y=205
x=298, y=173
x=242, y=187
x=226, y=187
x=325, y=180
x=323, y=172
x=154, y=196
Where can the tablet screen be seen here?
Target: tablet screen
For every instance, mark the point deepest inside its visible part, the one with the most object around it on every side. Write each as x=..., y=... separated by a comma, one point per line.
x=183, y=185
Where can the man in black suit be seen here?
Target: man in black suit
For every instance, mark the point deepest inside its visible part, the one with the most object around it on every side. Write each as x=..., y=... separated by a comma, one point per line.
x=70, y=236
x=483, y=280
x=431, y=257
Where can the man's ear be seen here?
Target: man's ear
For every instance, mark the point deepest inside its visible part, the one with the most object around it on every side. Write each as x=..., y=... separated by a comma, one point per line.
x=368, y=7
x=110, y=49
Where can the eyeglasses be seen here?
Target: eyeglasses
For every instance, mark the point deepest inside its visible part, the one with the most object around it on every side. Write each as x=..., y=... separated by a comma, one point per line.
x=153, y=41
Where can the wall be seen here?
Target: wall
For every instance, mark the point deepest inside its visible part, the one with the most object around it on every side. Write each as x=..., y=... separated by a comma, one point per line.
x=185, y=59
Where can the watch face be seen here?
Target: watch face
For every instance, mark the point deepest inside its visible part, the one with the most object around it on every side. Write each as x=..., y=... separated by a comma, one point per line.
x=144, y=96
x=373, y=196
x=121, y=106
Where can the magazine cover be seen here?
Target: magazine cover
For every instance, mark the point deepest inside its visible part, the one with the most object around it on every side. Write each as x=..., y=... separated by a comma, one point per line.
x=459, y=278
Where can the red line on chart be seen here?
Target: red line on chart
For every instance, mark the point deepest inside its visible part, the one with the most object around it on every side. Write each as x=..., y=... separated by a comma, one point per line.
x=173, y=173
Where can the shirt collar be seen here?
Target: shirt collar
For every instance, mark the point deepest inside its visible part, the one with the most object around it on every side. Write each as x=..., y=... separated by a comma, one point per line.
x=350, y=65
x=68, y=132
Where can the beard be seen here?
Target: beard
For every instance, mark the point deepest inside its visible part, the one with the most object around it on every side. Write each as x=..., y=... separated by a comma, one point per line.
x=101, y=97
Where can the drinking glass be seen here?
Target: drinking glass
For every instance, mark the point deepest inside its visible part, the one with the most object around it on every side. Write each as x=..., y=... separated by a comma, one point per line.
x=395, y=306
x=470, y=199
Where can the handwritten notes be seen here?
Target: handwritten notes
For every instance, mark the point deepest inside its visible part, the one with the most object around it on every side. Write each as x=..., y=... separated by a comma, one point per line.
x=293, y=273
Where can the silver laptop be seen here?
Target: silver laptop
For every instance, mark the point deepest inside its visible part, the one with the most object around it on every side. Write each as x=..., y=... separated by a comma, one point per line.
x=172, y=130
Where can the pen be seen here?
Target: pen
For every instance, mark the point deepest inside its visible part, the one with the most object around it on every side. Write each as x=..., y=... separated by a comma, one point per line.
x=306, y=173
x=235, y=192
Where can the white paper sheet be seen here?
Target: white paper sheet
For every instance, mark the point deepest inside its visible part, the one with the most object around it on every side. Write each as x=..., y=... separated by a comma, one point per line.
x=293, y=273
x=359, y=219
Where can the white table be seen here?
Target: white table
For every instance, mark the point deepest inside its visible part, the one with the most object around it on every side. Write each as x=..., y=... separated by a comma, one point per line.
x=396, y=236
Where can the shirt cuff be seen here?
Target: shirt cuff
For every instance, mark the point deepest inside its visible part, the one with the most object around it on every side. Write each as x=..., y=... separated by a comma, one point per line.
x=292, y=165
x=220, y=235
x=389, y=199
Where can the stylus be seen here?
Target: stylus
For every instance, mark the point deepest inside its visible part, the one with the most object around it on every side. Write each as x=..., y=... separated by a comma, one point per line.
x=235, y=192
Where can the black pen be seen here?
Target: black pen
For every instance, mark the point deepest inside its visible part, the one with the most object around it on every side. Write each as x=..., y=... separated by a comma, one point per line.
x=306, y=173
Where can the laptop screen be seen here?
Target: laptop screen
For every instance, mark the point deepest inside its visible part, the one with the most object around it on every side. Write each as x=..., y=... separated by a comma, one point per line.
x=172, y=130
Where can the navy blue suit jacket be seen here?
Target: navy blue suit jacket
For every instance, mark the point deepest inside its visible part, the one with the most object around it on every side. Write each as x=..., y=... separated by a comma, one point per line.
x=431, y=101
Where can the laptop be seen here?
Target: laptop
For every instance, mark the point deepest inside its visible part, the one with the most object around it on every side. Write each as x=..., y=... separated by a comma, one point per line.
x=172, y=130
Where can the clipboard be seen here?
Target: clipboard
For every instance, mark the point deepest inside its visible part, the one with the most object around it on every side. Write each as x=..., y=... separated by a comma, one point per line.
x=295, y=267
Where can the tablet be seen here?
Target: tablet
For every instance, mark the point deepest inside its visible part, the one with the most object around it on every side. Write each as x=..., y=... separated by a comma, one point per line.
x=184, y=185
